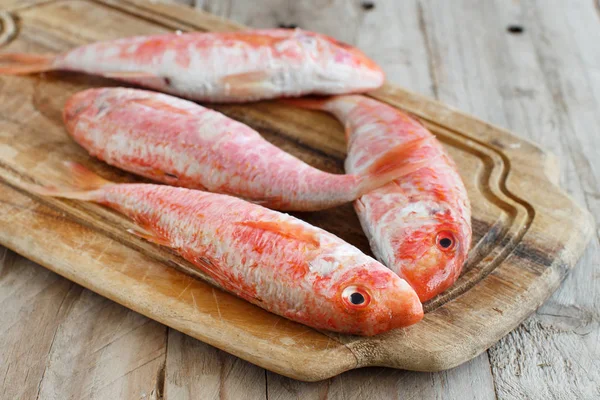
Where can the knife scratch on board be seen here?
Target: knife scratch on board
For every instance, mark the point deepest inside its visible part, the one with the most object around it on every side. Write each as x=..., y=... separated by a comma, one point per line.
x=217, y=303
x=186, y=288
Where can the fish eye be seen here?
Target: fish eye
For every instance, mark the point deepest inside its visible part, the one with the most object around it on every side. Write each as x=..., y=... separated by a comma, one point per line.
x=445, y=241
x=356, y=297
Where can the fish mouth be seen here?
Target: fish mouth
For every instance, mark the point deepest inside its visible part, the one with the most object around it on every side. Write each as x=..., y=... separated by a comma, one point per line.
x=77, y=105
x=74, y=112
x=406, y=310
x=430, y=281
x=71, y=115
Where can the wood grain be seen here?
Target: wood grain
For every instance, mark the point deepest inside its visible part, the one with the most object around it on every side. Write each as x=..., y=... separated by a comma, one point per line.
x=30, y=304
x=196, y=370
x=498, y=212
x=552, y=97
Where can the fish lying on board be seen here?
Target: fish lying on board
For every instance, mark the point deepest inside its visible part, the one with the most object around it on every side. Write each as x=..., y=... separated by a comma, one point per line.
x=419, y=225
x=268, y=258
x=180, y=143
x=219, y=67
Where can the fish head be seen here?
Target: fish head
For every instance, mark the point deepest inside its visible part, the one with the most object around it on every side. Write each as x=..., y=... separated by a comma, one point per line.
x=430, y=252
x=75, y=106
x=371, y=299
x=341, y=67
x=85, y=104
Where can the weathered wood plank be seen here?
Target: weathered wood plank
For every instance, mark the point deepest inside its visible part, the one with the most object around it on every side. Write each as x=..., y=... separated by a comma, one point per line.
x=471, y=380
x=31, y=306
x=117, y=353
x=556, y=354
x=196, y=370
x=539, y=83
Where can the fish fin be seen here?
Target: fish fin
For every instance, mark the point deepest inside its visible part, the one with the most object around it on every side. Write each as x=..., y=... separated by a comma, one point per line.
x=245, y=78
x=393, y=165
x=209, y=267
x=83, y=185
x=247, y=83
x=141, y=77
x=359, y=205
x=147, y=234
x=274, y=202
x=129, y=75
x=83, y=178
x=206, y=265
x=24, y=64
x=285, y=229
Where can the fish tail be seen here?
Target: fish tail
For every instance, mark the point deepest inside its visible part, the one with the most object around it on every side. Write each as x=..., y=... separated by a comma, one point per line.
x=23, y=64
x=83, y=185
x=393, y=165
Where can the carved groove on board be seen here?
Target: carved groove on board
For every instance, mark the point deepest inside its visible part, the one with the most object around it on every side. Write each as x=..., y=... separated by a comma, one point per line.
x=519, y=216
x=8, y=28
x=150, y=16
x=139, y=11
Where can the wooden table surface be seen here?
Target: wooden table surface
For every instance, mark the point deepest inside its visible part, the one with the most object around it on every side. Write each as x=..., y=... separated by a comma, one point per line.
x=532, y=66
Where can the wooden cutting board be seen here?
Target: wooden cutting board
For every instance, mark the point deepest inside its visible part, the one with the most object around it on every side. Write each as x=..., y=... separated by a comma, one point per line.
x=527, y=232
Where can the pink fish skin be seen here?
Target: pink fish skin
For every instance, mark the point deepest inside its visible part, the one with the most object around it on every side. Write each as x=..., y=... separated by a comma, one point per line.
x=268, y=258
x=219, y=67
x=180, y=143
x=420, y=224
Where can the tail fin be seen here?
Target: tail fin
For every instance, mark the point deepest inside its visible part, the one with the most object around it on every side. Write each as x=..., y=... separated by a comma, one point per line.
x=84, y=185
x=23, y=64
x=394, y=164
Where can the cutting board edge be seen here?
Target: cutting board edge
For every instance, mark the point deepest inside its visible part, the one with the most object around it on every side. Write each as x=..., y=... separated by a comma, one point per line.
x=548, y=172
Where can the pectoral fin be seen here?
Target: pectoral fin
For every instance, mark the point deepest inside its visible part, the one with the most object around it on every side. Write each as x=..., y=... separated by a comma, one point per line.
x=246, y=78
x=142, y=77
x=286, y=229
x=146, y=234
x=248, y=83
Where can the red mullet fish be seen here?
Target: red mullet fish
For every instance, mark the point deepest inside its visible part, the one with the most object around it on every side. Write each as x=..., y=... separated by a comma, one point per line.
x=268, y=258
x=180, y=143
x=219, y=67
